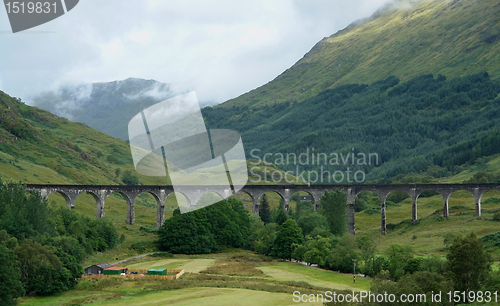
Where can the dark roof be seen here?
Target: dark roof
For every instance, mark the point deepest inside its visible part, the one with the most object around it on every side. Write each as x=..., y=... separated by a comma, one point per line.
x=103, y=265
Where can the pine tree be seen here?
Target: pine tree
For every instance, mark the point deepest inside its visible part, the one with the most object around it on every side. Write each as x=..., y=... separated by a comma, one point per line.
x=334, y=207
x=281, y=216
x=264, y=210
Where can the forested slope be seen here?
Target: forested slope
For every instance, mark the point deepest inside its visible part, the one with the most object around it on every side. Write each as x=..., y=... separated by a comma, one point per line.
x=428, y=124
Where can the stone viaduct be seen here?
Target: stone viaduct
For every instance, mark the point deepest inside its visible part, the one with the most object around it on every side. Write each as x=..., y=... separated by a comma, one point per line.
x=193, y=193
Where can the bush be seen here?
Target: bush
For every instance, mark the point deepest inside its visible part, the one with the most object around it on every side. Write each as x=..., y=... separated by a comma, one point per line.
x=372, y=210
x=162, y=255
x=148, y=229
x=144, y=246
x=492, y=200
x=129, y=178
x=139, y=246
x=397, y=196
x=491, y=240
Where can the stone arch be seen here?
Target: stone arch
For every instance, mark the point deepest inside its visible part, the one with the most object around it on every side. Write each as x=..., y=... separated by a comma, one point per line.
x=370, y=214
x=285, y=203
x=444, y=197
x=185, y=200
x=160, y=205
x=127, y=197
x=250, y=195
x=444, y=193
x=98, y=201
x=309, y=194
x=411, y=195
x=66, y=197
x=216, y=192
x=130, y=201
x=154, y=194
x=208, y=198
x=186, y=196
x=491, y=201
x=452, y=197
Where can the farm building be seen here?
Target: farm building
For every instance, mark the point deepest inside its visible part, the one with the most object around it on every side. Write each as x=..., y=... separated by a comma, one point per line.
x=97, y=269
x=115, y=270
x=162, y=271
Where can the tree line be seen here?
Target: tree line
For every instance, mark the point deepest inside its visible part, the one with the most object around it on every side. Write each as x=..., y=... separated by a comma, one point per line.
x=42, y=247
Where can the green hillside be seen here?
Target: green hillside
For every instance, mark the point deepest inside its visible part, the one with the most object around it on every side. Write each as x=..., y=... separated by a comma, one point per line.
x=39, y=147
x=430, y=126
x=453, y=38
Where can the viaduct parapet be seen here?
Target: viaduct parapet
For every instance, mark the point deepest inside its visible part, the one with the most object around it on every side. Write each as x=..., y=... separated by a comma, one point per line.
x=193, y=193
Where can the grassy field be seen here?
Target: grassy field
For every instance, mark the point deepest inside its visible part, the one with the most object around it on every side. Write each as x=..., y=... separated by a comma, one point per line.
x=231, y=278
x=317, y=277
x=188, y=296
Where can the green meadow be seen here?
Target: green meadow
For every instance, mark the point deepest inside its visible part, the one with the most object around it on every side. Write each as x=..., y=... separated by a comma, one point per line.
x=232, y=278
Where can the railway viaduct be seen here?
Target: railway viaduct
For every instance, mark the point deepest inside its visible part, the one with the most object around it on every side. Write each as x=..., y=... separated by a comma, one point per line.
x=193, y=193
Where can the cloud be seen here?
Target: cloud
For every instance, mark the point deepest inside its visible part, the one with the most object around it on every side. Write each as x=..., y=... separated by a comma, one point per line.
x=220, y=48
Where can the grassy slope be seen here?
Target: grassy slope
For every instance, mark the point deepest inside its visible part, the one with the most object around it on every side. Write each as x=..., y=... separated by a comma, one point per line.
x=39, y=147
x=427, y=236
x=451, y=38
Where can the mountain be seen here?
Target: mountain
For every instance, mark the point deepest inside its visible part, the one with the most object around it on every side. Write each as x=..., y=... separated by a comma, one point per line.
x=107, y=107
x=416, y=85
x=405, y=39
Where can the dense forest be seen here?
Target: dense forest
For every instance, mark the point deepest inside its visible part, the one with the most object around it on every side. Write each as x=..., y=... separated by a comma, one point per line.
x=428, y=125
x=41, y=246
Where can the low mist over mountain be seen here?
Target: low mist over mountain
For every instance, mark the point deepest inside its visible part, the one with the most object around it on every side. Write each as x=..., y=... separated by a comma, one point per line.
x=107, y=107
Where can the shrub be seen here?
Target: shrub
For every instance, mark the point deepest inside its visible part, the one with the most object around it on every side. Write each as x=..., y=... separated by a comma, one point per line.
x=162, y=255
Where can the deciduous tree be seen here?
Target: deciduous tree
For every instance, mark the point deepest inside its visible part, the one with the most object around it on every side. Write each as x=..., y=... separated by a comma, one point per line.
x=289, y=233
x=468, y=263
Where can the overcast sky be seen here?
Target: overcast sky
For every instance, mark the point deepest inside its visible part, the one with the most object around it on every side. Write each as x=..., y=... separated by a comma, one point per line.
x=220, y=48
